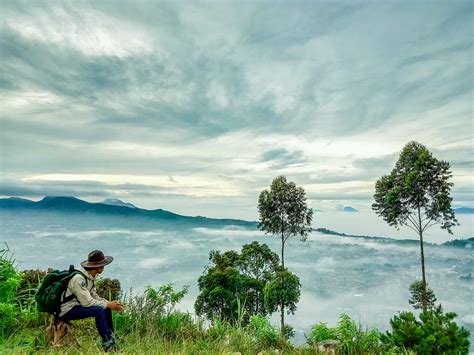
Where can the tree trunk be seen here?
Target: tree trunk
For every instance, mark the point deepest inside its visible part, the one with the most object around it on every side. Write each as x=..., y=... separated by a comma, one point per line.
x=282, y=305
x=282, y=251
x=423, y=291
x=282, y=318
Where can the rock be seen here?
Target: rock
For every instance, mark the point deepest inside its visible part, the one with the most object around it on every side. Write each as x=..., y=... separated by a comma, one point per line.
x=328, y=346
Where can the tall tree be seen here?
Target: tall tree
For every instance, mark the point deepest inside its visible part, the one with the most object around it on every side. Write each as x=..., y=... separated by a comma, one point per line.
x=284, y=213
x=416, y=194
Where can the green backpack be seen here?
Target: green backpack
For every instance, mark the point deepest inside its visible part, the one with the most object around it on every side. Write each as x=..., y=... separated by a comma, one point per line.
x=51, y=291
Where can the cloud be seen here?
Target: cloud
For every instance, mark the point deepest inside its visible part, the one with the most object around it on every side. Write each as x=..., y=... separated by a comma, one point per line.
x=90, y=32
x=280, y=157
x=230, y=96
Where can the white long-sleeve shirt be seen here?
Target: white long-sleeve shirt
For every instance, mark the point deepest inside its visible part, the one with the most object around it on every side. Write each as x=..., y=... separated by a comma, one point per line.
x=85, y=292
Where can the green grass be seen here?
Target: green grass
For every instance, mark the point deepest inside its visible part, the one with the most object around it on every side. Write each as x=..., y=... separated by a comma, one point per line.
x=227, y=341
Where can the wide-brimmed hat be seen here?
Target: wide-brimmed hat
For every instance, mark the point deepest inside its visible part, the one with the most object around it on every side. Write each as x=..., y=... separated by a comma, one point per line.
x=96, y=259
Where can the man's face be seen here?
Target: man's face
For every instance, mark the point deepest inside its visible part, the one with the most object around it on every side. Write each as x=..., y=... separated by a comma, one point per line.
x=100, y=270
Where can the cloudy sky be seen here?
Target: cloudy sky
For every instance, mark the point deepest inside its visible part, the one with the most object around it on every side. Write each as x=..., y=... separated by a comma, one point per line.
x=196, y=106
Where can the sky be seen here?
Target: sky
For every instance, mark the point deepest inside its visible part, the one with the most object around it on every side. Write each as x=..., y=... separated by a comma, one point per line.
x=196, y=106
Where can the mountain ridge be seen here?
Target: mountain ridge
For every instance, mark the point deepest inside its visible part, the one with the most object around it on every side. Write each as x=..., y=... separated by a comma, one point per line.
x=70, y=204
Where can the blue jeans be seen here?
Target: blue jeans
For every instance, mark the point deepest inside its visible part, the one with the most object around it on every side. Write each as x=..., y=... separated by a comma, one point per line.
x=103, y=319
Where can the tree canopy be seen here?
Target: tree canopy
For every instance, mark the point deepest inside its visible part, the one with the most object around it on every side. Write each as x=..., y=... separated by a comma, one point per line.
x=284, y=211
x=236, y=282
x=418, y=183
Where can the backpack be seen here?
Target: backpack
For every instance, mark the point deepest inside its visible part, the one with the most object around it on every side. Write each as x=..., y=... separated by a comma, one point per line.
x=51, y=291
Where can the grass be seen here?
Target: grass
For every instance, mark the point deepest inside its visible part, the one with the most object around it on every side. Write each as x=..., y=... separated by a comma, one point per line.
x=232, y=340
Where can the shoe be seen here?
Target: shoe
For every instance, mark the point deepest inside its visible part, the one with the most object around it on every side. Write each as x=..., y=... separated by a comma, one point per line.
x=110, y=346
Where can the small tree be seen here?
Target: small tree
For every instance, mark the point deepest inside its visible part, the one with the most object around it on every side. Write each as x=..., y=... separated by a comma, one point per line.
x=416, y=300
x=257, y=263
x=416, y=194
x=283, y=292
x=233, y=286
x=219, y=287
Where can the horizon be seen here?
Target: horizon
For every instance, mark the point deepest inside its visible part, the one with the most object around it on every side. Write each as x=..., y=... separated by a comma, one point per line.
x=337, y=208
x=336, y=220
x=195, y=107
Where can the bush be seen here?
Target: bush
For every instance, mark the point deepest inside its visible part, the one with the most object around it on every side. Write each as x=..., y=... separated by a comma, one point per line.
x=434, y=333
x=320, y=332
x=9, y=281
x=9, y=277
x=144, y=310
x=177, y=325
x=264, y=334
x=351, y=337
x=8, y=319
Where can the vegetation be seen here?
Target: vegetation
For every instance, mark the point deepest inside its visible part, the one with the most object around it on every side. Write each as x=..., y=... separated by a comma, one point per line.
x=349, y=337
x=151, y=324
x=416, y=291
x=434, y=332
x=283, y=292
x=416, y=194
x=284, y=213
x=233, y=288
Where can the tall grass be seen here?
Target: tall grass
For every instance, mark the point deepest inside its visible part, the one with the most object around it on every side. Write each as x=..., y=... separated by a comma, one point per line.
x=349, y=337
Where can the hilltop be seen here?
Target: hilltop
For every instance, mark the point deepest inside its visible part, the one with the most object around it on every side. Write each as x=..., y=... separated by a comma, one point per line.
x=73, y=206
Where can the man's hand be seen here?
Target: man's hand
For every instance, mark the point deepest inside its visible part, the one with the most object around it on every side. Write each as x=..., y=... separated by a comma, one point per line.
x=115, y=305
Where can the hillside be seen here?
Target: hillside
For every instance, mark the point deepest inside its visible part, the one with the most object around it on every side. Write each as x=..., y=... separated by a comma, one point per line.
x=74, y=206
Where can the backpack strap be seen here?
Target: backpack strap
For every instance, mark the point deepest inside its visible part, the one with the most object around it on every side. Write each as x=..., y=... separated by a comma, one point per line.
x=68, y=298
x=71, y=297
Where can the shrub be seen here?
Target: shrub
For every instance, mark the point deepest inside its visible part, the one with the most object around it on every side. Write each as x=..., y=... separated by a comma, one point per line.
x=9, y=281
x=177, y=325
x=9, y=277
x=351, y=337
x=434, y=333
x=219, y=329
x=144, y=310
x=264, y=334
x=8, y=319
x=320, y=332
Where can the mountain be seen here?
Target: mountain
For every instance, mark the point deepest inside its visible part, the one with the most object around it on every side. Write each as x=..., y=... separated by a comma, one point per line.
x=117, y=202
x=74, y=207
x=467, y=243
x=461, y=243
x=349, y=209
x=15, y=202
x=464, y=210
x=342, y=208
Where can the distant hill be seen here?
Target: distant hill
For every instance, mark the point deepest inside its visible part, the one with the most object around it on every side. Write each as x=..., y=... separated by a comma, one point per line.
x=75, y=206
x=342, y=208
x=349, y=209
x=458, y=243
x=117, y=202
x=464, y=210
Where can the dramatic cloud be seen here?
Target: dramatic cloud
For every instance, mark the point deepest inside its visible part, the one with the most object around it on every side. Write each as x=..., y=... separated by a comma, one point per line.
x=197, y=106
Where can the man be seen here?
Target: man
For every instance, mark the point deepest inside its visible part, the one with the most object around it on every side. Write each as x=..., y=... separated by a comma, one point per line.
x=87, y=303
